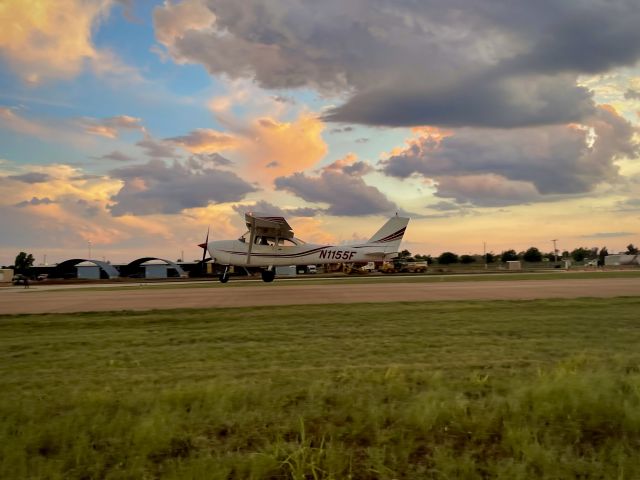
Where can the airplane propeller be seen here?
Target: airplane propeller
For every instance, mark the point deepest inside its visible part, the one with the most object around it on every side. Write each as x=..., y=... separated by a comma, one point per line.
x=204, y=249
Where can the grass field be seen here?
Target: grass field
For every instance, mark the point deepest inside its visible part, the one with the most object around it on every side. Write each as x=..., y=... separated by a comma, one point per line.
x=512, y=390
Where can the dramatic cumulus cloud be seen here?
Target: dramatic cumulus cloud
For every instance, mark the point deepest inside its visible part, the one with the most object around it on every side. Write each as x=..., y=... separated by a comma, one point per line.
x=155, y=187
x=435, y=62
x=41, y=39
x=339, y=185
x=70, y=209
x=501, y=167
x=268, y=146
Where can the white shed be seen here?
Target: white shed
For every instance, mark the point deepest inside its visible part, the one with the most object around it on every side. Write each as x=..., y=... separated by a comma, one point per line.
x=6, y=275
x=155, y=269
x=88, y=271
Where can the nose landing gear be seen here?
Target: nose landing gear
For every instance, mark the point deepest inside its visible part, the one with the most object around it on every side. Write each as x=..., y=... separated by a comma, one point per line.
x=224, y=276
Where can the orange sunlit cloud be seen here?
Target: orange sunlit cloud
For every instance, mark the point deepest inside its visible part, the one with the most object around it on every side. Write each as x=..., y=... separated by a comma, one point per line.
x=268, y=147
x=44, y=39
x=435, y=134
x=281, y=148
x=206, y=140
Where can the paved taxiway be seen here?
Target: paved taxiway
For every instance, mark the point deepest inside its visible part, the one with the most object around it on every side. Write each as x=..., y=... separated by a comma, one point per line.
x=80, y=300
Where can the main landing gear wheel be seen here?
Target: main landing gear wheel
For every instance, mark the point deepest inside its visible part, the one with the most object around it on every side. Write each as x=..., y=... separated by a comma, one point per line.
x=268, y=275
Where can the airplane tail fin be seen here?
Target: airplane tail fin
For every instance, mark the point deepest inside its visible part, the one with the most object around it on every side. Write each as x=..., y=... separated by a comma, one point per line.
x=390, y=235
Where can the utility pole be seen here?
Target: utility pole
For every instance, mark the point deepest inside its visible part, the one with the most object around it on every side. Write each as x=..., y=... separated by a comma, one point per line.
x=89, y=247
x=484, y=254
x=555, y=250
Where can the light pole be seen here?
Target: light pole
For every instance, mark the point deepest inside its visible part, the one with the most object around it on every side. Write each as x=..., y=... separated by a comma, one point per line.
x=555, y=250
x=484, y=254
x=89, y=246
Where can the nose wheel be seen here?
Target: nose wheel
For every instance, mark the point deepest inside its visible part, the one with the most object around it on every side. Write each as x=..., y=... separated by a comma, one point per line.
x=268, y=275
x=224, y=276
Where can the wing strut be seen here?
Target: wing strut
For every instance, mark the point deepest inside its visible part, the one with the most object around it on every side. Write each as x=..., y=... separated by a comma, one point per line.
x=252, y=235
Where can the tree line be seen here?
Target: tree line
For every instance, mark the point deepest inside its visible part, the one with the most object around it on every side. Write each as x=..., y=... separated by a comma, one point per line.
x=532, y=255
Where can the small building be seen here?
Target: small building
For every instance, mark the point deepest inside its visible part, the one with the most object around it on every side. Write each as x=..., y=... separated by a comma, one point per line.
x=6, y=275
x=156, y=269
x=622, y=259
x=286, y=271
x=88, y=270
x=514, y=265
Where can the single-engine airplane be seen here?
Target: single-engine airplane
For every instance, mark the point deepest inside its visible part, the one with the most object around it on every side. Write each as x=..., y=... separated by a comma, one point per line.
x=270, y=242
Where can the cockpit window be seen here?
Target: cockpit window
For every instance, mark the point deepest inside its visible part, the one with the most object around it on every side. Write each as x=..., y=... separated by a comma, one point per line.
x=262, y=240
x=285, y=242
x=271, y=241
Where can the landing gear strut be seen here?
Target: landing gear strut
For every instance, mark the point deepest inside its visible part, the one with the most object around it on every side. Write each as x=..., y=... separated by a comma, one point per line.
x=268, y=275
x=224, y=276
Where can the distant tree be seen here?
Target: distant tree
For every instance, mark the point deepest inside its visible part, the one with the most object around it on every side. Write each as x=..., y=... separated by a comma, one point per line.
x=631, y=249
x=489, y=257
x=23, y=262
x=551, y=256
x=508, y=256
x=404, y=254
x=424, y=258
x=532, y=255
x=565, y=254
x=580, y=253
x=466, y=259
x=447, y=258
x=603, y=253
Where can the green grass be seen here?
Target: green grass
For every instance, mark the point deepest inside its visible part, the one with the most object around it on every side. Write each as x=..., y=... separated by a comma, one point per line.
x=367, y=279
x=513, y=389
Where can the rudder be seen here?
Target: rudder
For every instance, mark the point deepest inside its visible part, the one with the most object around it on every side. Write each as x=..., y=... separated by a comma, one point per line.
x=391, y=233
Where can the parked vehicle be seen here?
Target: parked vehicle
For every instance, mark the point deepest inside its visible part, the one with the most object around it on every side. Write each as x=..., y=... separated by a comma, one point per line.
x=404, y=265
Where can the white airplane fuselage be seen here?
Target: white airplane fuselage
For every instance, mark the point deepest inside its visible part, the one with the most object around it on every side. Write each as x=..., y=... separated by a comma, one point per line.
x=235, y=252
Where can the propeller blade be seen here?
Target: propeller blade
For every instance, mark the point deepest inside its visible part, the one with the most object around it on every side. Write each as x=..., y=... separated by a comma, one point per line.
x=204, y=248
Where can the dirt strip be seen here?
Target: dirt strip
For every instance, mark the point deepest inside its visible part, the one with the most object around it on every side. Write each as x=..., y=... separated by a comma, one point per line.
x=31, y=301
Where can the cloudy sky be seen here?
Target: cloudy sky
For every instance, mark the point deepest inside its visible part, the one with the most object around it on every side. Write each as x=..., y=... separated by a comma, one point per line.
x=134, y=125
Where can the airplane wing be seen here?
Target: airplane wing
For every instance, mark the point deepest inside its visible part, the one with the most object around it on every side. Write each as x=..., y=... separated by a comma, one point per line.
x=268, y=225
x=265, y=225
